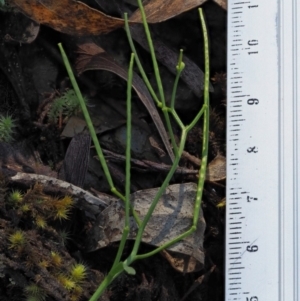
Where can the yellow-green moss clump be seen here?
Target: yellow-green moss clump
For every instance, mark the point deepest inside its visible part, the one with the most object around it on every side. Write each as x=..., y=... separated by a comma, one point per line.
x=34, y=247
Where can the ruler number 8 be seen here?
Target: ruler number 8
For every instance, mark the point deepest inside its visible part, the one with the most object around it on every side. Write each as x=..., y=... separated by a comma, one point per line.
x=252, y=101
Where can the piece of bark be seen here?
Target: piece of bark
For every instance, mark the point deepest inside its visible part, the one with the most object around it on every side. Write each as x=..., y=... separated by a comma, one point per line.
x=172, y=216
x=76, y=160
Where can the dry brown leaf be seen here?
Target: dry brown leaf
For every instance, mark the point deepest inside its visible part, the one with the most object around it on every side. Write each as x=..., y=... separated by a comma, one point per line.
x=97, y=59
x=161, y=10
x=216, y=169
x=67, y=16
x=222, y=3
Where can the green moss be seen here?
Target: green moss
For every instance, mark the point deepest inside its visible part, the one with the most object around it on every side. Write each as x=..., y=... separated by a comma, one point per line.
x=34, y=293
x=7, y=125
x=66, y=105
x=33, y=244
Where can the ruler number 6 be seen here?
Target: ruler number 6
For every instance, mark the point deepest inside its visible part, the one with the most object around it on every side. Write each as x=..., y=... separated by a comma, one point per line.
x=252, y=101
x=252, y=299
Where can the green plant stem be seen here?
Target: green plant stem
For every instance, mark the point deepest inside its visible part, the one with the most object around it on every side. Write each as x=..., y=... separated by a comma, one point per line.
x=92, y=131
x=152, y=52
x=202, y=172
x=179, y=68
x=109, y=278
x=160, y=103
x=139, y=64
x=158, y=195
x=87, y=117
x=128, y=142
x=118, y=266
x=126, y=229
x=205, y=142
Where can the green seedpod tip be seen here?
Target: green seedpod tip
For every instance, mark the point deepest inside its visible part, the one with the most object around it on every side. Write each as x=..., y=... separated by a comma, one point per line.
x=129, y=270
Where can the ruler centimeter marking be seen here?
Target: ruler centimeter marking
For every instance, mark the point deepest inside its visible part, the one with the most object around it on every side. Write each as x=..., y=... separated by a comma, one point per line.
x=263, y=153
x=252, y=148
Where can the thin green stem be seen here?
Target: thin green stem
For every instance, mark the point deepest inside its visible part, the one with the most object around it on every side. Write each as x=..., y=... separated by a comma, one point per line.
x=177, y=118
x=152, y=52
x=119, y=267
x=170, y=129
x=138, y=62
x=160, y=103
x=202, y=172
x=179, y=69
x=158, y=195
x=126, y=229
x=92, y=130
x=128, y=142
x=166, y=245
x=109, y=278
x=198, y=116
x=87, y=117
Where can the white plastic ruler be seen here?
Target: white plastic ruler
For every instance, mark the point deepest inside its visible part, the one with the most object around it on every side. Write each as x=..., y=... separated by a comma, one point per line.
x=263, y=151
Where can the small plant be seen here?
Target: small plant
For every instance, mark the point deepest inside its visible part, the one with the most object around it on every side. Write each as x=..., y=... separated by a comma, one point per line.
x=40, y=207
x=7, y=125
x=15, y=197
x=34, y=293
x=66, y=106
x=56, y=259
x=40, y=222
x=78, y=273
x=17, y=240
x=64, y=236
x=62, y=207
x=119, y=266
x=35, y=245
x=32, y=246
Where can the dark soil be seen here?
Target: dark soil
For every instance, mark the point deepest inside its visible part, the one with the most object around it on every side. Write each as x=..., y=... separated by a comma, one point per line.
x=32, y=76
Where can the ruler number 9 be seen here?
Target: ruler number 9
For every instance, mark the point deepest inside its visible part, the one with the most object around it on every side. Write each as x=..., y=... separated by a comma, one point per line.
x=252, y=298
x=251, y=249
x=252, y=101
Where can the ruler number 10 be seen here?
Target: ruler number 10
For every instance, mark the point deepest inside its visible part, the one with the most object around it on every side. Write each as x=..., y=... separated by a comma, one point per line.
x=252, y=299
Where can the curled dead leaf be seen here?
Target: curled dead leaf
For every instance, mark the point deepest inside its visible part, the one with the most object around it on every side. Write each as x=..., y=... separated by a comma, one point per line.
x=67, y=16
x=161, y=10
x=93, y=57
